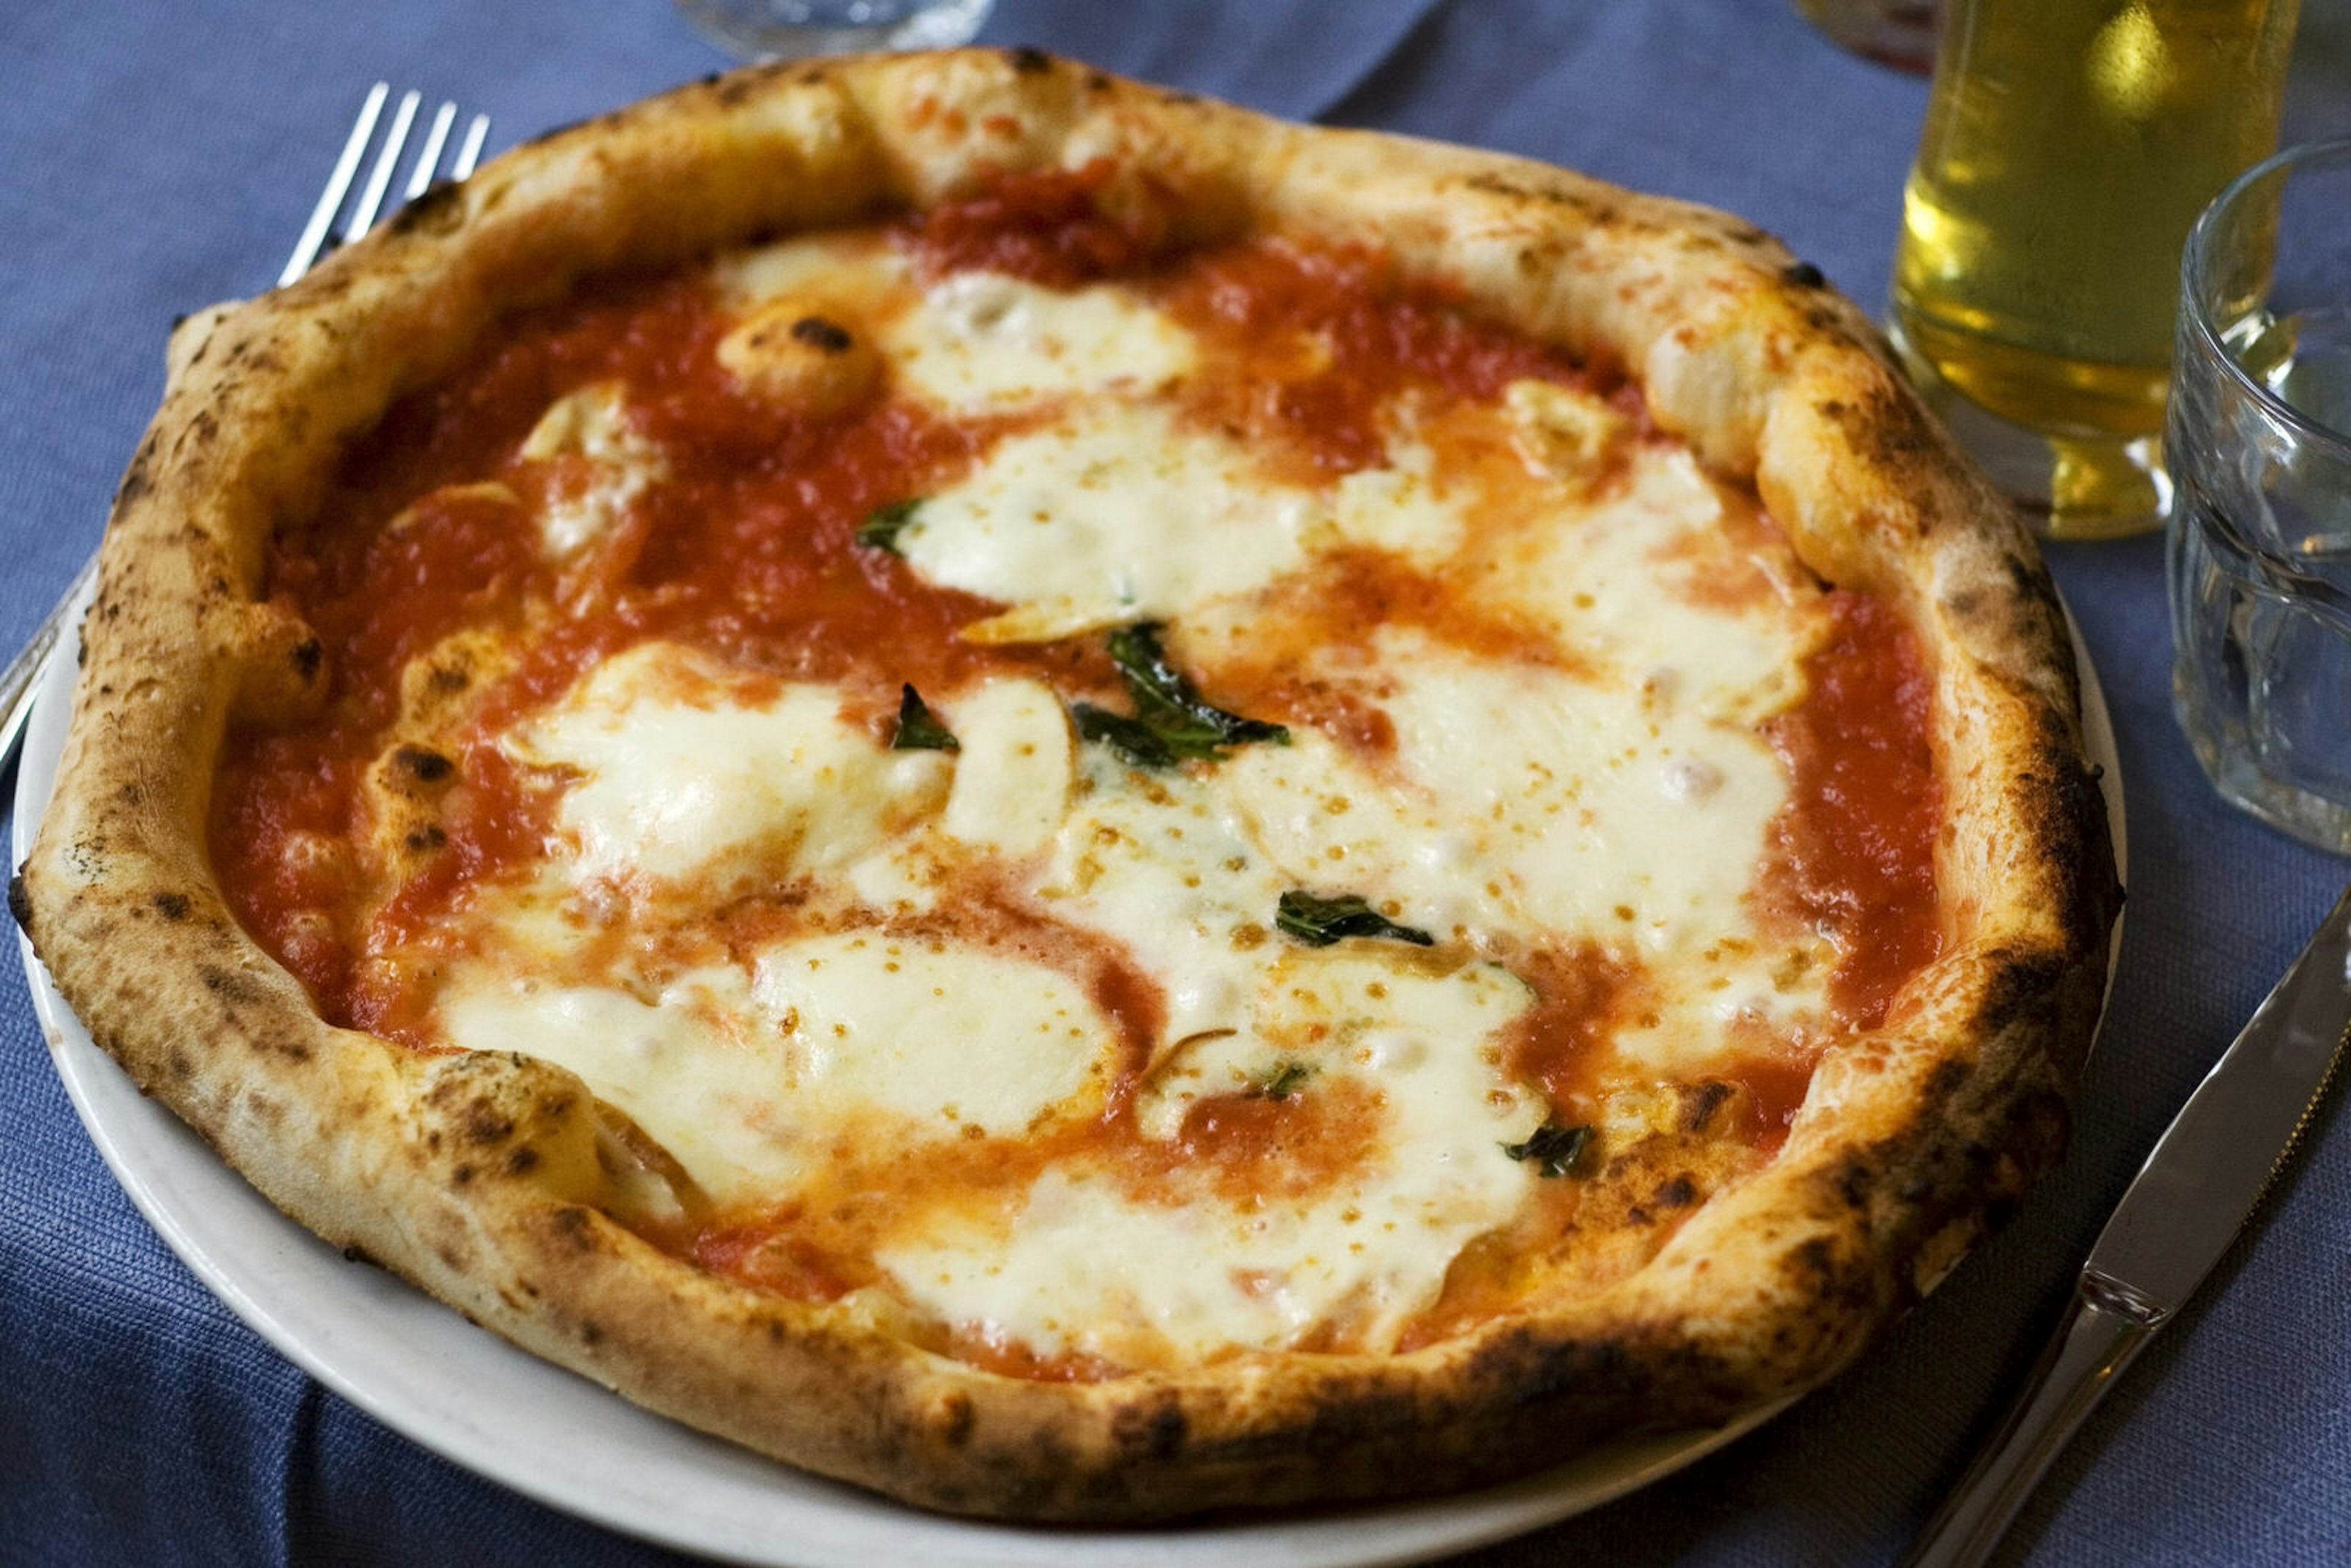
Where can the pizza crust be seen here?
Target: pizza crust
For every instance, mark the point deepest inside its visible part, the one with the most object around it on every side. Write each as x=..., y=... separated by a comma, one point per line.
x=475, y=1176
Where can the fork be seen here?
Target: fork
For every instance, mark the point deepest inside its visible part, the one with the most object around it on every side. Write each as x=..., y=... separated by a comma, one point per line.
x=23, y=678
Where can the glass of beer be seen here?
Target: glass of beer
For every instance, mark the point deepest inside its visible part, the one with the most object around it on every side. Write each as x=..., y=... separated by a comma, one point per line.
x=2260, y=446
x=2068, y=146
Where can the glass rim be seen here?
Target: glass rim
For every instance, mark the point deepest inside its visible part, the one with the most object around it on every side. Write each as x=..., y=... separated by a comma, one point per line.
x=2193, y=273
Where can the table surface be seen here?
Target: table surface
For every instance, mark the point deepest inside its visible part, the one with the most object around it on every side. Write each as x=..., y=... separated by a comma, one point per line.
x=154, y=157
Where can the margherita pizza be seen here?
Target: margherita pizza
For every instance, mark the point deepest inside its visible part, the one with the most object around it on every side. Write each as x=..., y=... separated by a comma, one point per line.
x=1080, y=806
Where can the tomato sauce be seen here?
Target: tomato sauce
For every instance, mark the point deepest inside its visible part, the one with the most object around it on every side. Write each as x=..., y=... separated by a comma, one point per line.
x=1045, y=226
x=1855, y=843
x=1311, y=345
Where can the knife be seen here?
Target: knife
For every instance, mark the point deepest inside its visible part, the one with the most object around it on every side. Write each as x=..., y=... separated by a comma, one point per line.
x=2209, y=1172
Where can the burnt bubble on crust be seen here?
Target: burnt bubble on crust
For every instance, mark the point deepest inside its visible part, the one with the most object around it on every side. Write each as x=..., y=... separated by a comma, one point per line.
x=1804, y=274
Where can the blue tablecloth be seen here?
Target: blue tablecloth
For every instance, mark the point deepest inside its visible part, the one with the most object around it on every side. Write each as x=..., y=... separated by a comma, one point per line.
x=154, y=157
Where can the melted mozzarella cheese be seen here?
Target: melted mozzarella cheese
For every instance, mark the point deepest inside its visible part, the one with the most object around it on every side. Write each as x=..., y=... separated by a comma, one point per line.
x=1113, y=516
x=620, y=465
x=680, y=776
x=974, y=341
x=746, y=1079
x=1088, y=1266
x=932, y=1032
x=1012, y=770
x=982, y=340
x=1623, y=581
x=692, y=1063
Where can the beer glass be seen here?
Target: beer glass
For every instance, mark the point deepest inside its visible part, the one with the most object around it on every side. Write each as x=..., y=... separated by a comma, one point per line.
x=2068, y=145
x=2260, y=446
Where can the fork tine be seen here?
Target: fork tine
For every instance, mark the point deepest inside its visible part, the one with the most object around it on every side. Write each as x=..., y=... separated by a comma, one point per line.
x=362, y=217
x=420, y=178
x=339, y=185
x=471, y=153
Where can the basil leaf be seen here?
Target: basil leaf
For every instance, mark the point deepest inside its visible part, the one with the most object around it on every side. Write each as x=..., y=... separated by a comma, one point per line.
x=917, y=730
x=1557, y=1147
x=1282, y=1082
x=1319, y=922
x=1172, y=722
x=1130, y=737
x=1167, y=702
x=881, y=530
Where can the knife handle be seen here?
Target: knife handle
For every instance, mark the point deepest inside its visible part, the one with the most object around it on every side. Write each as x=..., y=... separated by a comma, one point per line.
x=2105, y=1326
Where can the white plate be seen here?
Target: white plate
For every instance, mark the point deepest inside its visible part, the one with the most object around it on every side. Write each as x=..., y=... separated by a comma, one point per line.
x=469, y=1395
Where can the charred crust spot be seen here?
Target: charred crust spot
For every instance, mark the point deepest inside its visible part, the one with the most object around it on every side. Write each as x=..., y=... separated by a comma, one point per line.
x=1853, y=1185
x=431, y=836
x=590, y=1332
x=574, y=1224
x=1700, y=1102
x=1816, y=1257
x=178, y=1065
x=521, y=1160
x=450, y=678
x=20, y=903
x=462, y=1176
x=171, y=906
x=1678, y=1193
x=355, y=1253
x=437, y=211
x=819, y=333
x=2023, y=990
x=230, y=987
x=486, y=1125
x=1804, y=274
x=1028, y=62
x=1098, y=82
x=1154, y=1431
x=952, y=1418
x=424, y=764
x=306, y=656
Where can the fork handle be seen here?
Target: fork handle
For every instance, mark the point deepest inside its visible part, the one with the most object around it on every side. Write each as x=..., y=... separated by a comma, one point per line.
x=22, y=677
x=2105, y=1327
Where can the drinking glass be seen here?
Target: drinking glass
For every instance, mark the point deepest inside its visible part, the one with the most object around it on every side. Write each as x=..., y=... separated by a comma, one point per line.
x=2067, y=146
x=788, y=29
x=2258, y=443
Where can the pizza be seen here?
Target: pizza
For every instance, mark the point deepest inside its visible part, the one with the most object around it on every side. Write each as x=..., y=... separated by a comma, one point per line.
x=1082, y=807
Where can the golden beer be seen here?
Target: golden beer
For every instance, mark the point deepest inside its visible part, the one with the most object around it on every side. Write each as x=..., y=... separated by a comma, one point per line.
x=2068, y=146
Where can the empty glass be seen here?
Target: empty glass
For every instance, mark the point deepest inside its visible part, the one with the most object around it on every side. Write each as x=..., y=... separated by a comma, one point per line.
x=2259, y=445
x=788, y=29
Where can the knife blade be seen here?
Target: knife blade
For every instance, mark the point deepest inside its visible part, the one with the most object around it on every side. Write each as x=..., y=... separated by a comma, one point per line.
x=2206, y=1178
